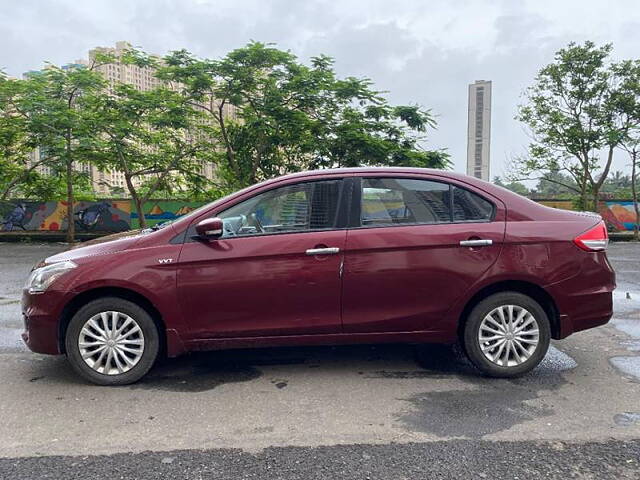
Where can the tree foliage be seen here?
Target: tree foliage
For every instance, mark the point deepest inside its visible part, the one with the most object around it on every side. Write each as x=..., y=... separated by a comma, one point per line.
x=152, y=137
x=627, y=101
x=574, y=119
x=256, y=113
x=514, y=186
x=287, y=116
x=49, y=105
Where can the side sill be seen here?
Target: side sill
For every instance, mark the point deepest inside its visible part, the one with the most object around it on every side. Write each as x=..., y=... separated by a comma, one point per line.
x=324, y=339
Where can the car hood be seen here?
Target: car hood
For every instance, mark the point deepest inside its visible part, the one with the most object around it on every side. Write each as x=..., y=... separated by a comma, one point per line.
x=99, y=246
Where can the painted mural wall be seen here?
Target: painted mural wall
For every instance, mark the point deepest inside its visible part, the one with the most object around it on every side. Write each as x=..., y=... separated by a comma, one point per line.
x=120, y=215
x=99, y=216
x=158, y=211
x=619, y=215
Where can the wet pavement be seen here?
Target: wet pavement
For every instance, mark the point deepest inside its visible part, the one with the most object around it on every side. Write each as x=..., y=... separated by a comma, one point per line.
x=303, y=402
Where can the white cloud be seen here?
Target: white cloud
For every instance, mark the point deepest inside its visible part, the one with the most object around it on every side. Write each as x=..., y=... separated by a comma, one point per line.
x=421, y=51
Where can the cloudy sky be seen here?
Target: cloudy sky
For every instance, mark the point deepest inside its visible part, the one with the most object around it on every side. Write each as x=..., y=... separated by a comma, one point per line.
x=424, y=52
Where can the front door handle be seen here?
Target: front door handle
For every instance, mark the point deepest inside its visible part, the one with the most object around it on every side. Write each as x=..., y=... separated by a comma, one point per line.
x=323, y=251
x=476, y=243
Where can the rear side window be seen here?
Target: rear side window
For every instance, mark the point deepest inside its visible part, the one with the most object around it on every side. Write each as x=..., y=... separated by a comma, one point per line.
x=397, y=201
x=392, y=201
x=469, y=207
x=294, y=208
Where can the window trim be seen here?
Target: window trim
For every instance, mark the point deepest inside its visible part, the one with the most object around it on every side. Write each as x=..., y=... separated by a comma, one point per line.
x=342, y=214
x=355, y=217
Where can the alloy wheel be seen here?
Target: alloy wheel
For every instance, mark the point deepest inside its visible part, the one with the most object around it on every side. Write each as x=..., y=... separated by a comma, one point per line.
x=508, y=335
x=111, y=343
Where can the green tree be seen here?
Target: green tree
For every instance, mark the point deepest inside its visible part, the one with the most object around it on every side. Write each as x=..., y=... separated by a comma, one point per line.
x=50, y=103
x=152, y=137
x=272, y=115
x=627, y=103
x=573, y=119
x=514, y=186
x=15, y=143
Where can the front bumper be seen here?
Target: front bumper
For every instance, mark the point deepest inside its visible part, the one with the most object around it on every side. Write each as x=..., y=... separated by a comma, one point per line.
x=41, y=315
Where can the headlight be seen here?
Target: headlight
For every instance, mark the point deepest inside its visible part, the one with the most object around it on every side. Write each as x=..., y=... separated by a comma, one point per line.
x=41, y=277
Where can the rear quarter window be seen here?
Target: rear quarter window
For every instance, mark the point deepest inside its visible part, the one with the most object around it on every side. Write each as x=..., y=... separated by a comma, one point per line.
x=469, y=207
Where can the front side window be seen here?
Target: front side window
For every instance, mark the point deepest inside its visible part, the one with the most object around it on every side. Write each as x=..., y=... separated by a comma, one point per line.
x=397, y=201
x=294, y=208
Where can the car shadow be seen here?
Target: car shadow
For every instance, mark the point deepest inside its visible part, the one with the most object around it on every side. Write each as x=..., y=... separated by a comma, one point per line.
x=202, y=371
x=207, y=370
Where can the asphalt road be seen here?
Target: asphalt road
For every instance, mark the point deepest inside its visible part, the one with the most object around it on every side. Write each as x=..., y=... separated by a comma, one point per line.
x=348, y=412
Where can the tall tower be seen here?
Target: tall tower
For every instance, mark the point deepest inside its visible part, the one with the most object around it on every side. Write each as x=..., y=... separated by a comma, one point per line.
x=479, y=130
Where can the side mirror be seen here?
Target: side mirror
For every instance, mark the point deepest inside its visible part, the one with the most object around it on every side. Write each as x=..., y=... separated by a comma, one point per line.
x=210, y=228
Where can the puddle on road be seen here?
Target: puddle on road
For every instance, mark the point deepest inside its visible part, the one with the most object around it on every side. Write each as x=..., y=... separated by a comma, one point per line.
x=629, y=326
x=626, y=301
x=629, y=366
x=489, y=405
x=11, y=341
x=627, y=419
x=626, y=298
x=442, y=361
x=632, y=328
x=555, y=361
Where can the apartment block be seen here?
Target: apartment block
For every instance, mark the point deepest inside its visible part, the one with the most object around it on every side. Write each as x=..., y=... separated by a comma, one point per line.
x=142, y=78
x=479, y=130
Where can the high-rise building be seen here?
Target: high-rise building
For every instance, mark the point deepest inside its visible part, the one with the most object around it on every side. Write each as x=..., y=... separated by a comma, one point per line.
x=142, y=78
x=479, y=130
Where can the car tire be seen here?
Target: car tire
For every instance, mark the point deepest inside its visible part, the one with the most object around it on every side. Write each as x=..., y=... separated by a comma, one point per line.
x=126, y=333
x=524, y=335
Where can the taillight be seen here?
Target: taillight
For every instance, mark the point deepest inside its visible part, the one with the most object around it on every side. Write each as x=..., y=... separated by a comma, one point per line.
x=594, y=239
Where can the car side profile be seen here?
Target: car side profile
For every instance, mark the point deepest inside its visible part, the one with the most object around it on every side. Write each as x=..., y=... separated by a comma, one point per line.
x=339, y=256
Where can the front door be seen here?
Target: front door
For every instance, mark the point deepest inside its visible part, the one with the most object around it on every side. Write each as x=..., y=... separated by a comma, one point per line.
x=405, y=265
x=275, y=271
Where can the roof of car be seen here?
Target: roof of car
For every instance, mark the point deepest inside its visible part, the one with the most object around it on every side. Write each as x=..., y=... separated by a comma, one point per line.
x=356, y=170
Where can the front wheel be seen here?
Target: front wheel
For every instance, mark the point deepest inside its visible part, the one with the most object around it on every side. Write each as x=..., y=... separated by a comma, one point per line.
x=507, y=334
x=112, y=341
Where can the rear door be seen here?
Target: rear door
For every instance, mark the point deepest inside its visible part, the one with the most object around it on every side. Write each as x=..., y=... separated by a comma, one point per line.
x=415, y=246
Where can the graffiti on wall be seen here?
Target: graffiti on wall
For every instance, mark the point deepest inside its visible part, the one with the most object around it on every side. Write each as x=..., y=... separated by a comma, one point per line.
x=99, y=216
x=120, y=215
x=158, y=211
x=619, y=215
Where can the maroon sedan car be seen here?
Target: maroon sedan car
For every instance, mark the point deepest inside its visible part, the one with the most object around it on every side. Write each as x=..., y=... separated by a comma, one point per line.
x=329, y=257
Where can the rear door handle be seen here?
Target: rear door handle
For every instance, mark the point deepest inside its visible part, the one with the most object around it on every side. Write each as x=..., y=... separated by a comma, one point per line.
x=476, y=243
x=323, y=251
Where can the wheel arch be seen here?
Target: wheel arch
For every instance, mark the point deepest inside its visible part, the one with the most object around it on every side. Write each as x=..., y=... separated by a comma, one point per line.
x=87, y=296
x=530, y=289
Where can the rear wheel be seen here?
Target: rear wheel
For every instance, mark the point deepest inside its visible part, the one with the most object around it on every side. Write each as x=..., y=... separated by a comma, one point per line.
x=507, y=334
x=112, y=341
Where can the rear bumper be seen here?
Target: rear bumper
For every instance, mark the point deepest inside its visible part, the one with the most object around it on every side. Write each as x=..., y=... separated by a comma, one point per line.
x=41, y=317
x=585, y=300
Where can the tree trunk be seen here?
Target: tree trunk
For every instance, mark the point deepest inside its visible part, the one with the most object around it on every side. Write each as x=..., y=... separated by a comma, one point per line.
x=71, y=226
x=596, y=198
x=596, y=186
x=141, y=218
x=142, y=221
x=634, y=194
